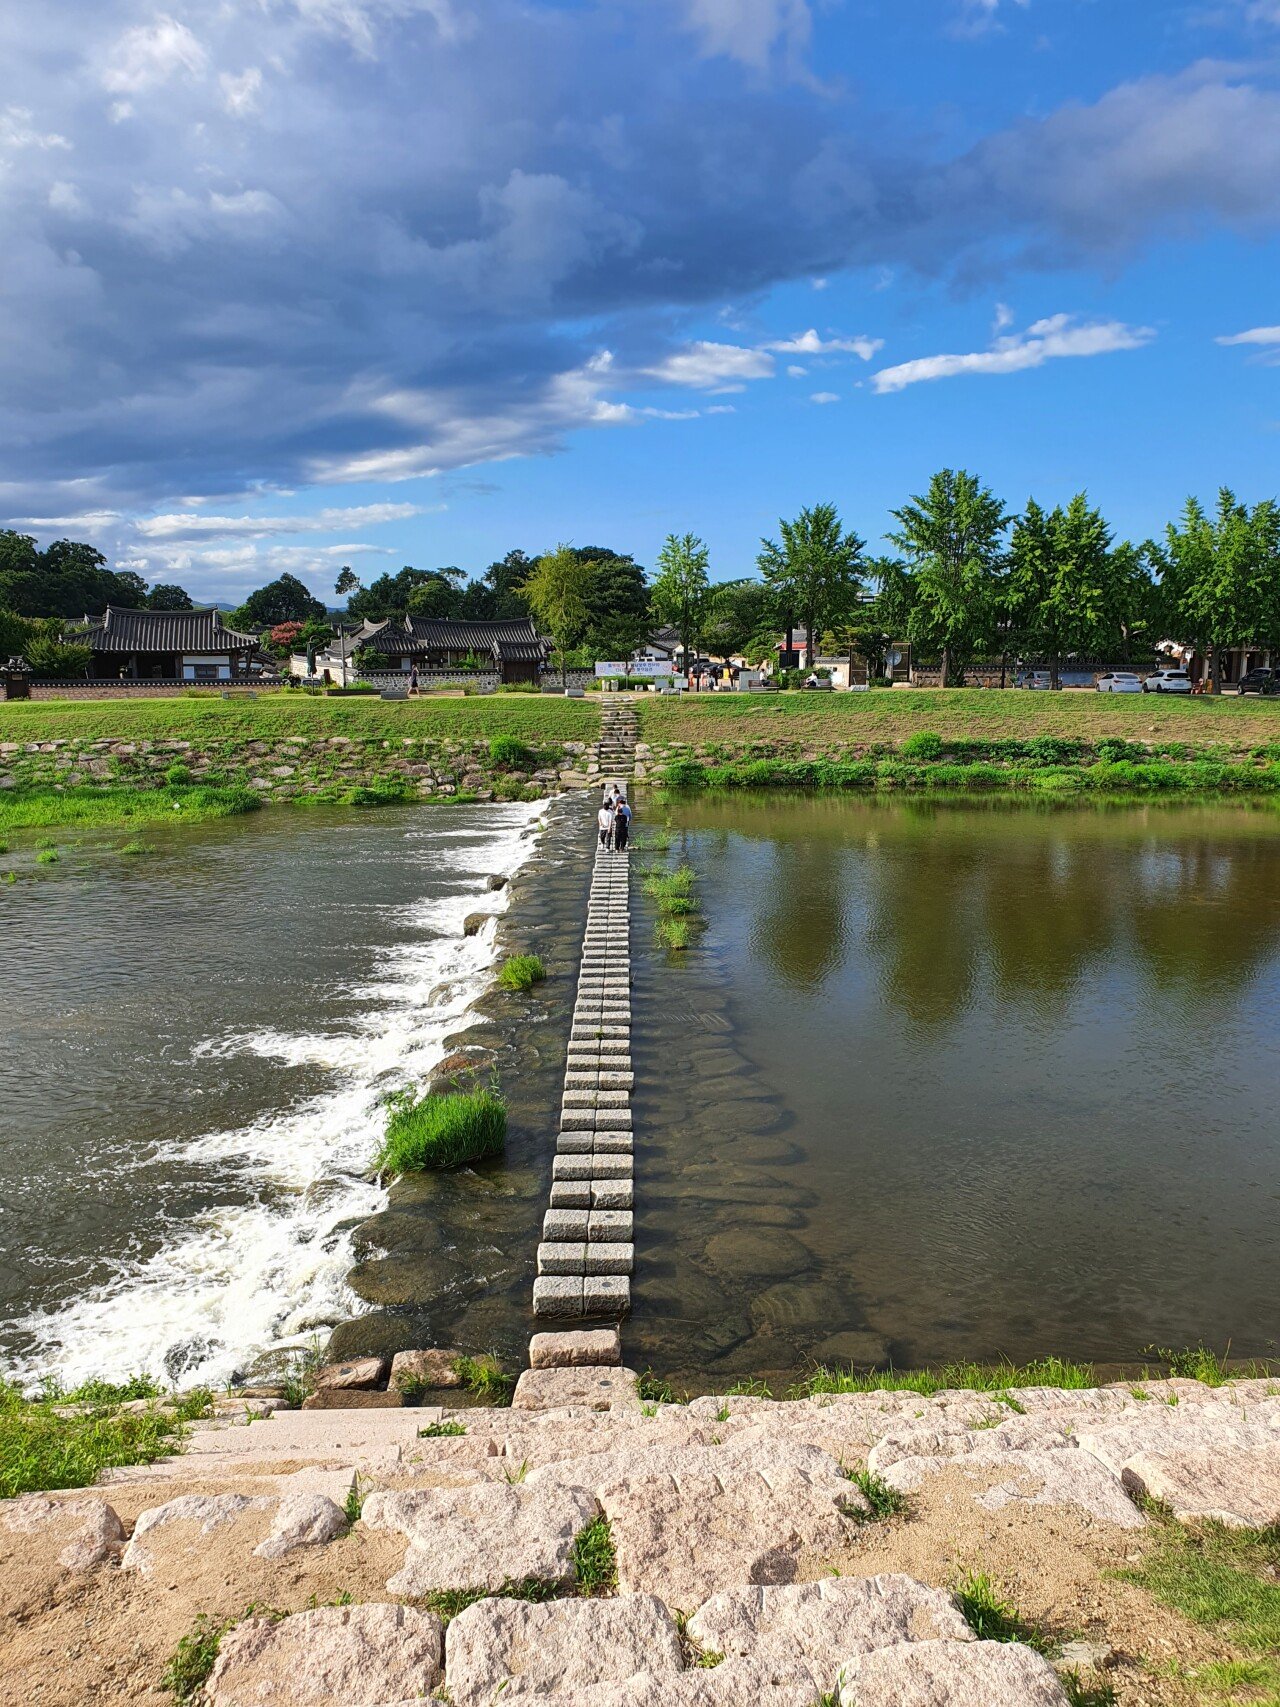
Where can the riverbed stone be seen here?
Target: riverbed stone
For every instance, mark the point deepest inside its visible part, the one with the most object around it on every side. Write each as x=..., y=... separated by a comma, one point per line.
x=355, y=1372
x=192, y=1517
x=950, y=1674
x=583, y=1347
x=826, y=1620
x=353, y=1399
x=334, y=1656
x=435, y=1367
x=998, y=1479
x=89, y=1530
x=1238, y=1488
x=482, y=1536
x=585, y=1386
x=302, y=1520
x=510, y=1650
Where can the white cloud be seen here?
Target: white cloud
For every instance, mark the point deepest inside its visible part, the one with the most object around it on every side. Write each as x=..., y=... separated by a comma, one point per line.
x=357, y=20
x=721, y=409
x=713, y=367
x=1046, y=340
x=64, y=197
x=150, y=55
x=750, y=30
x=1258, y=334
x=240, y=94
x=810, y=344
x=17, y=130
x=796, y=372
x=192, y=526
x=1003, y=319
x=825, y=397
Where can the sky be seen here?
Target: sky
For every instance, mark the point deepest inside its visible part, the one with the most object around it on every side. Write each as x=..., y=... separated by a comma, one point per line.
x=289, y=284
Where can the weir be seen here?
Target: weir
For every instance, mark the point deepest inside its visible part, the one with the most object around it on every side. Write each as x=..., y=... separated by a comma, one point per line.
x=587, y=1253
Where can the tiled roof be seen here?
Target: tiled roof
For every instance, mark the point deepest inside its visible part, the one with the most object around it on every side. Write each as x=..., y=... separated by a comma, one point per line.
x=120, y=630
x=515, y=642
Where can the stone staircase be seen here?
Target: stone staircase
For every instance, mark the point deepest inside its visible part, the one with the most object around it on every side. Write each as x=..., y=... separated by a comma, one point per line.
x=618, y=731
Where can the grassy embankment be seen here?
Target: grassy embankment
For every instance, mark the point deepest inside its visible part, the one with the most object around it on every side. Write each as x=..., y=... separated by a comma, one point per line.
x=64, y=1438
x=345, y=751
x=967, y=739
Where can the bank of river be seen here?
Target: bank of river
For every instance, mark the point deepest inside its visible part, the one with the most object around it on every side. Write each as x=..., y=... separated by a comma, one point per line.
x=958, y=1080
x=197, y=1040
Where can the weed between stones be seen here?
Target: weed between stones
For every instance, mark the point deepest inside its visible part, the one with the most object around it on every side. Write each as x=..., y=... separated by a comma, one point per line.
x=484, y=1378
x=992, y=1618
x=595, y=1560
x=521, y=972
x=885, y=1501
x=65, y=1437
x=193, y=1660
x=440, y=1431
x=443, y=1129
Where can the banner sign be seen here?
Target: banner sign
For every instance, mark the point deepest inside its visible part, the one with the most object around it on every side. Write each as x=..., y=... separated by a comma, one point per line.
x=650, y=669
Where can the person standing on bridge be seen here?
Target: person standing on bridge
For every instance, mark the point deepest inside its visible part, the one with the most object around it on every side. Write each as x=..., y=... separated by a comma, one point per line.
x=621, y=822
x=604, y=818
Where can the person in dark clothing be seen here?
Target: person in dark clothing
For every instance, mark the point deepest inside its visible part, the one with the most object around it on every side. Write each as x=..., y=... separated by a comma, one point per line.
x=621, y=822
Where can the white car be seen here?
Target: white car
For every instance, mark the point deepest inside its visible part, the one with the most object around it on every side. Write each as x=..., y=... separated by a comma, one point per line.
x=1167, y=681
x=1119, y=681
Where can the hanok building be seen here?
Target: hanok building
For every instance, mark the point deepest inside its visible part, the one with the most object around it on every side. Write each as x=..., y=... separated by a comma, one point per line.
x=515, y=650
x=163, y=645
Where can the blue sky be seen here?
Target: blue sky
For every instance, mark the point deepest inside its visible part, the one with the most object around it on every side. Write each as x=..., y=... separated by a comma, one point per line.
x=293, y=283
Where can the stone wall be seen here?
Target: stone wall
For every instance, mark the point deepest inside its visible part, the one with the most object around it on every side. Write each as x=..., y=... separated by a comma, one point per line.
x=326, y=767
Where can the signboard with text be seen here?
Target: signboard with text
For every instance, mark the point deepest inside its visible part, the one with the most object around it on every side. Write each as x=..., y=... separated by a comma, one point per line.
x=649, y=668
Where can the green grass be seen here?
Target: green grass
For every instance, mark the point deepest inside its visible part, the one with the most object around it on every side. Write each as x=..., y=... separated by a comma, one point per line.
x=484, y=1378
x=521, y=972
x=595, y=1560
x=992, y=1618
x=506, y=752
x=996, y=1378
x=1227, y=1579
x=441, y=1431
x=48, y=856
x=678, y=916
x=194, y=1658
x=41, y=808
x=535, y=720
x=442, y=1129
x=1082, y=1692
x=806, y=720
x=884, y=1501
x=655, y=1389
x=42, y=1449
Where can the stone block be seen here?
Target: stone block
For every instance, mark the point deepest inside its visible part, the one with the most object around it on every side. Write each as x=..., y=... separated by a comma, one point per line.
x=574, y=1349
x=562, y=1258
x=612, y=1143
x=612, y=1194
x=434, y=1368
x=578, y=1167
x=351, y=1399
x=1238, y=1488
x=569, y=1224
x=302, y=1520
x=950, y=1674
x=575, y=1143
x=334, y=1654
x=612, y=1226
x=1000, y=1478
x=481, y=1536
x=602, y=1258
x=511, y=1650
x=557, y=1295
x=571, y=1194
x=607, y=1295
x=356, y=1372
x=611, y=1164
x=591, y=1387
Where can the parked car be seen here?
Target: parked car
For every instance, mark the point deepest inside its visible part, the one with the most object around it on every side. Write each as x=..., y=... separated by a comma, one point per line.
x=1041, y=679
x=1260, y=680
x=1167, y=681
x=1119, y=681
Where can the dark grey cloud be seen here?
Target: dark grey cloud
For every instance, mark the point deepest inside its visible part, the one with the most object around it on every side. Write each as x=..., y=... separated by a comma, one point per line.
x=292, y=240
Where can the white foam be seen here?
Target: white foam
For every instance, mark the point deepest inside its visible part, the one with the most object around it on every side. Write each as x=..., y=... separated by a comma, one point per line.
x=247, y=1276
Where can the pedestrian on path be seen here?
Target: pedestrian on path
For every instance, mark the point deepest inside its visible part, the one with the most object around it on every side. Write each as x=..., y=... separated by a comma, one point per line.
x=604, y=819
x=621, y=822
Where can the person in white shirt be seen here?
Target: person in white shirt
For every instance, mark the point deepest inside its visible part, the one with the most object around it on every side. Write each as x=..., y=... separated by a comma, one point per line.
x=604, y=818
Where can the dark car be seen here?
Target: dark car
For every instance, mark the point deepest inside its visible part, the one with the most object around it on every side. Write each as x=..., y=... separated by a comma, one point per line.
x=1260, y=680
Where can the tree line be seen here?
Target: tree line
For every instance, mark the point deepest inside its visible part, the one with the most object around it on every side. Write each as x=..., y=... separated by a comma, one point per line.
x=966, y=579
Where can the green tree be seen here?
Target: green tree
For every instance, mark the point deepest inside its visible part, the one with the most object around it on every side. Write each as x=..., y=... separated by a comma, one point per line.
x=438, y=596
x=681, y=592
x=868, y=627
x=556, y=592
x=618, y=615
x=52, y=657
x=166, y=596
x=1059, y=582
x=813, y=570
x=950, y=537
x=282, y=600
x=389, y=595
x=348, y=581
x=15, y=632
x=742, y=620
x=1219, y=576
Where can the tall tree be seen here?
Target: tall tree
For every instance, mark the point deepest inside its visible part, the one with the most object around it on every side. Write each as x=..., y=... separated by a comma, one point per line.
x=281, y=600
x=681, y=591
x=868, y=627
x=1059, y=582
x=813, y=569
x=951, y=538
x=556, y=592
x=743, y=619
x=438, y=596
x=166, y=596
x=347, y=583
x=618, y=615
x=389, y=595
x=1219, y=576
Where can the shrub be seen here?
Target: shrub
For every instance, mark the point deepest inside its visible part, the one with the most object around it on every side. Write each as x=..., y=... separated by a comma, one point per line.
x=521, y=972
x=178, y=775
x=683, y=773
x=509, y=754
x=442, y=1130
x=925, y=745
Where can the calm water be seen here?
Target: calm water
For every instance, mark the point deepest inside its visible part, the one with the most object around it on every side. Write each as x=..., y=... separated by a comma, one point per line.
x=949, y=1081
x=195, y=1044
